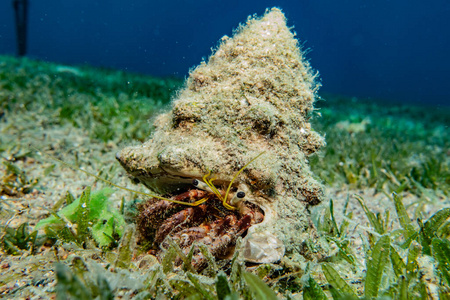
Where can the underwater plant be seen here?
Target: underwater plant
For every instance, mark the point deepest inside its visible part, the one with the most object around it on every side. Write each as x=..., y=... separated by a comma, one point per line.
x=89, y=216
x=394, y=262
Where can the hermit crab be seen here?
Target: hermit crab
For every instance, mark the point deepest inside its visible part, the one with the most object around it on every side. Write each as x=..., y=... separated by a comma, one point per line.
x=254, y=95
x=204, y=215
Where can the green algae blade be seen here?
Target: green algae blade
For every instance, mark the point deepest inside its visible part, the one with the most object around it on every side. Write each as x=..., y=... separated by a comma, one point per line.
x=98, y=202
x=413, y=253
x=375, y=263
x=397, y=263
x=212, y=266
x=431, y=226
x=223, y=288
x=336, y=281
x=83, y=211
x=69, y=286
x=126, y=248
x=403, y=288
x=259, y=289
x=206, y=294
x=403, y=218
x=376, y=222
x=441, y=251
x=168, y=259
x=313, y=291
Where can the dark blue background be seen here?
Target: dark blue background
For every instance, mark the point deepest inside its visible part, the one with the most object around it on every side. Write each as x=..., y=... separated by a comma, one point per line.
x=396, y=50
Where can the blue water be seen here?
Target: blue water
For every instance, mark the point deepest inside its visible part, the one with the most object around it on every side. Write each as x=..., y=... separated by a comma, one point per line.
x=395, y=50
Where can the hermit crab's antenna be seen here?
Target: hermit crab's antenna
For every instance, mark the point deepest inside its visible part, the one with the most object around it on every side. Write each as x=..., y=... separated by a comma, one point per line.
x=217, y=193
x=118, y=186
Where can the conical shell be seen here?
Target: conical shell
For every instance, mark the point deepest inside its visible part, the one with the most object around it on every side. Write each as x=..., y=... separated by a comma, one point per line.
x=254, y=94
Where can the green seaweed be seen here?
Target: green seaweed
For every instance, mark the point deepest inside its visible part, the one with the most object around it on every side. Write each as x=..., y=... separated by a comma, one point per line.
x=337, y=234
x=79, y=283
x=376, y=221
x=441, y=251
x=410, y=153
x=259, y=289
x=202, y=289
x=312, y=291
x=398, y=264
x=126, y=248
x=93, y=216
x=337, y=283
x=223, y=288
x=411, y=269
x=69, y=286
x=15, y=181
x=393, y=277
x=405, y=222
x=13, y=241
x=111, y=105
x=431, y=227
x=375, y=264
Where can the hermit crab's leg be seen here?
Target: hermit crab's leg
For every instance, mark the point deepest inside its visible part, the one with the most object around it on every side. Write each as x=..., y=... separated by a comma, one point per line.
x=151, y=215
x=199, y=195
x=188, y=216
x=256, y=214
x=221, y=245
x=187, y=236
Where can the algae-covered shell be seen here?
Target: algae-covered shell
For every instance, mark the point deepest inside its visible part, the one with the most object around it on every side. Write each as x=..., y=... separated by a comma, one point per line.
x=255, y=94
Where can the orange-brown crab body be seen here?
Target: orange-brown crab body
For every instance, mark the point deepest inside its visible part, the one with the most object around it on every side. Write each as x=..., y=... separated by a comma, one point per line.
x=209, y=223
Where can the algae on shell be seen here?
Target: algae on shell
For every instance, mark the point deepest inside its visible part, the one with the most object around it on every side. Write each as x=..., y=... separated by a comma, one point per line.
x=255, y=93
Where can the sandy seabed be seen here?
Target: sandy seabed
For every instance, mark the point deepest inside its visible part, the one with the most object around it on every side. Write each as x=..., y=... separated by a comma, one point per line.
x=33, y=275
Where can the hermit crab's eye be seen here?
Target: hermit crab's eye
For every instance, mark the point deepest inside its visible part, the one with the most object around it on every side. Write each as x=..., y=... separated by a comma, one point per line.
x=201, y=185
x=237, y=198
